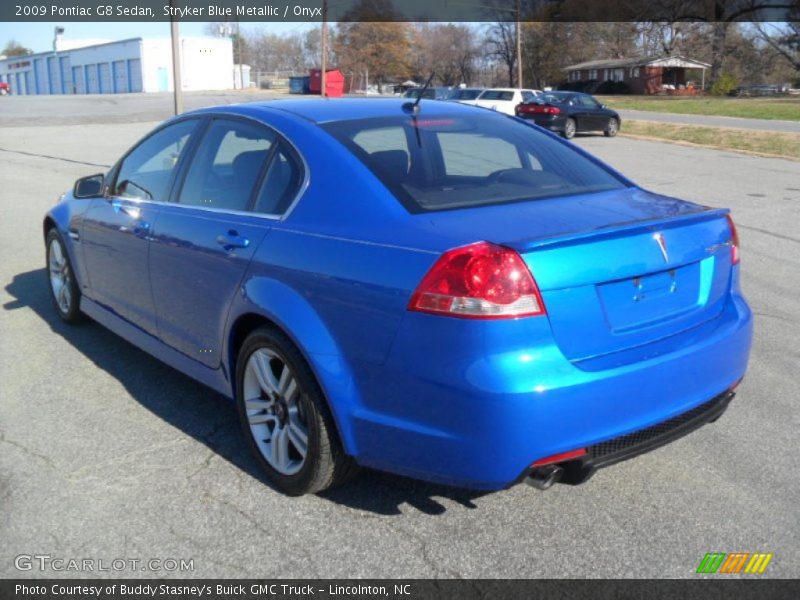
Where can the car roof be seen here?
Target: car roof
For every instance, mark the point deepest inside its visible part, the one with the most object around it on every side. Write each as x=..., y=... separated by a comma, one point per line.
x=328, y=110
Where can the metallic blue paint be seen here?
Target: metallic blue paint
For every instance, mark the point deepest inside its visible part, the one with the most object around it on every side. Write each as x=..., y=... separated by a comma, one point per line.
x=466, y=402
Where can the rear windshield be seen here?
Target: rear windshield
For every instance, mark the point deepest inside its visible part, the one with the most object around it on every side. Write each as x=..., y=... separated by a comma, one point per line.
x=554, y=98
x=446, y=163
x=497, y=95
x=464, y=94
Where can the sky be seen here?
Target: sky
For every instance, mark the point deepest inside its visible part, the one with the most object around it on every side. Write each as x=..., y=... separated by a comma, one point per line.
x=39, y=36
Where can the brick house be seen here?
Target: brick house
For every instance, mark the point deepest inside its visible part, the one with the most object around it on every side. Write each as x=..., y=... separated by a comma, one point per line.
x=676, y=74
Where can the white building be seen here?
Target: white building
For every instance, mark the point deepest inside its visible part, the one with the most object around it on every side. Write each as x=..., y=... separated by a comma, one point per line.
x=132, y=65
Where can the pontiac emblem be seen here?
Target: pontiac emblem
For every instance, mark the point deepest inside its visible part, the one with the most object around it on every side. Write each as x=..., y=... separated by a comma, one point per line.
x=662, y=244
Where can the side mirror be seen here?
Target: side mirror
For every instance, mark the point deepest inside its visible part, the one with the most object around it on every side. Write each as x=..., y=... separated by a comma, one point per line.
x=89, y=187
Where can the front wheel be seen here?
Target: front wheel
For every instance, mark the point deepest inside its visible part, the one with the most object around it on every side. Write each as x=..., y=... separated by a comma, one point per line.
x=64, y=290
x=612, y=128
x=569, y=128
x=285, y=417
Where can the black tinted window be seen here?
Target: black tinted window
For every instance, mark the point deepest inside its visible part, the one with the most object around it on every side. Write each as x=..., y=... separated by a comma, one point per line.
x=227, y=165
x=147, y=170
x=465, y=94
x=555, y=98
x=281, y=183
x=496, y=95
x=444, y=163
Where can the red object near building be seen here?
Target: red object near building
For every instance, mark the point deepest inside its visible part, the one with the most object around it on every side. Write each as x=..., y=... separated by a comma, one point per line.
x=334, y=82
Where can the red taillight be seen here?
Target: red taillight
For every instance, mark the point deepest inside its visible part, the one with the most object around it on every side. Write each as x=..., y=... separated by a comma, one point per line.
x=557, y=458
x=479, y=281
x=537, y=109
x=734, y=240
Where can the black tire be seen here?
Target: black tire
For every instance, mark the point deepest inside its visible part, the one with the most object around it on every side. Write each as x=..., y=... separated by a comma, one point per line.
x=570, y=127
x=612, y=129
x=68, y=311
x=325, y=464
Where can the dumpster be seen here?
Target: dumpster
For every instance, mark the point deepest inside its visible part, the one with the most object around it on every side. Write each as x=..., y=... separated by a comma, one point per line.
x=299, y=84
x=334, y=82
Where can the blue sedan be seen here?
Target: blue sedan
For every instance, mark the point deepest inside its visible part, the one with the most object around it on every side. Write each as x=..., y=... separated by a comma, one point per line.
x=438, y=290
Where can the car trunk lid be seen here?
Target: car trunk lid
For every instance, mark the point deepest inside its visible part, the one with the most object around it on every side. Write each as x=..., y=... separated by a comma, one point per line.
x=633, y=284
x=620, y=269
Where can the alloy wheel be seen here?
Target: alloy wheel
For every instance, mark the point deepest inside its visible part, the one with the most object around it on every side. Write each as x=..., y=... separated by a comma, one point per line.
x=275, y=411
x=569, y=129
x=60, y=276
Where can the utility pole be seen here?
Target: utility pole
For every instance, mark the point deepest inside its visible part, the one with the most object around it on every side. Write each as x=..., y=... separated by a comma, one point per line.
x=519, y=46
x=239, y=51
x=324, y=71
x=177, y=82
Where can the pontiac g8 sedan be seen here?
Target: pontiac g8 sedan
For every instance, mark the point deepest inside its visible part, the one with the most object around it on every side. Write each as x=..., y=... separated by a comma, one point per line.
x=435, y=290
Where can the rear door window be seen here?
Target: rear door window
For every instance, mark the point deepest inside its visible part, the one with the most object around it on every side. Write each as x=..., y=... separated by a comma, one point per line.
x=281, y=183
x=227, y=165
x=497, y=95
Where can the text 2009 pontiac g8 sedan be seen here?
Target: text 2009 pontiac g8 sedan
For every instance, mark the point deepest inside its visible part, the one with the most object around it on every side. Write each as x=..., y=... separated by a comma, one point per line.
x=437, y=291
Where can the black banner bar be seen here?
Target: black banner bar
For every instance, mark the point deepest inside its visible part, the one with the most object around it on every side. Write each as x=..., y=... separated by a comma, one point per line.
x=400, y=10
x=702, y=588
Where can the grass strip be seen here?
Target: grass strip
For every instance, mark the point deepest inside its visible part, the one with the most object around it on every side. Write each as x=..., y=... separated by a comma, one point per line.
x=767, y=143
x=787, y=109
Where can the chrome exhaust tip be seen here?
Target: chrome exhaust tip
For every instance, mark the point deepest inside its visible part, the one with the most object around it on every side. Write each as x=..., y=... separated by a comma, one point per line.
x=544, y=477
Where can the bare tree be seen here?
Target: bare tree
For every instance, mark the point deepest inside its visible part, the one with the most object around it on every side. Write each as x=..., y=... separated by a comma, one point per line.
x=272, y=52
x=501, y=41
x=783, y=38
x=449, y=50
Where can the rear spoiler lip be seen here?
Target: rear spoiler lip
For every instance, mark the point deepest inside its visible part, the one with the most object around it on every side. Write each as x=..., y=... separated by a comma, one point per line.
x=704, y=213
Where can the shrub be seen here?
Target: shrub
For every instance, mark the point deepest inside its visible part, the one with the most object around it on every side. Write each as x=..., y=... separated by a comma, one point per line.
x=725, y=85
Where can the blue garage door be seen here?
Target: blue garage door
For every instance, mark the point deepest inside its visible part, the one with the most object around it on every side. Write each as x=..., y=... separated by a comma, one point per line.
x=77, y=80
x=19, y=88
x=90, y=74
x=29, y=89
x=53, y=86
x=40, y=76
x=135, y=75
x=65, y=74
x=105, y=78
x=120, y=75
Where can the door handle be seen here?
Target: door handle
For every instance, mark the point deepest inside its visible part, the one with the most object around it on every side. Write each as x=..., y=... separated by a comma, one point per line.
x=139, y=228
x=131, y=211
x=232, y=240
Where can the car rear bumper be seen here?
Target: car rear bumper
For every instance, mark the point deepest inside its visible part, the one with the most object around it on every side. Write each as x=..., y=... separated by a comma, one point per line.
x=578, y=470
x=475, y=404
x=550, y=122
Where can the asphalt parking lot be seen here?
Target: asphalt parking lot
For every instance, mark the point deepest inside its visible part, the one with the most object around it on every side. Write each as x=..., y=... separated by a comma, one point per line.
x=105, y=453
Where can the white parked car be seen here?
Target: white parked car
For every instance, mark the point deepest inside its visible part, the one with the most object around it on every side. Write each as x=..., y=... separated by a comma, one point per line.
x=503, y=100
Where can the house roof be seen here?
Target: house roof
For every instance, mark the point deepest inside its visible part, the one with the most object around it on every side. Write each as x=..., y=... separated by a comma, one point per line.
x=676, y=60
